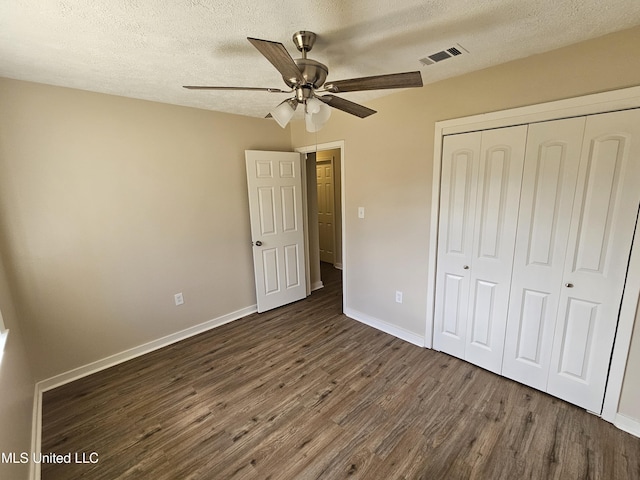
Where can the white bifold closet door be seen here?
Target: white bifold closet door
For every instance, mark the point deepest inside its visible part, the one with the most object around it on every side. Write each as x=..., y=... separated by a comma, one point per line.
x=460, y=161
x=578, y=208
x=478, y=218
x=535, y=231
x=546, y=202
x=601, y=232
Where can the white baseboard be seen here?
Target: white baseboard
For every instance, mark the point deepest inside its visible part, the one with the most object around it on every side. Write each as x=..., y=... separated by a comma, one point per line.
x=110, y=361
x=317, y=285
x=386, y=327
x=629, y=425
x=132, y=353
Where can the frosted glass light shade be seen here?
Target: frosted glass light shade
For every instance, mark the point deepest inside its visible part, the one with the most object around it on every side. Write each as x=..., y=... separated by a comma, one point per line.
x=283, y=113
x=315, y=121
x=313, y=105
x=323, y=115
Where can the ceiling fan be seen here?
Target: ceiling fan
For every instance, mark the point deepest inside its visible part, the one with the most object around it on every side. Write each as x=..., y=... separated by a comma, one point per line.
x=306, y=79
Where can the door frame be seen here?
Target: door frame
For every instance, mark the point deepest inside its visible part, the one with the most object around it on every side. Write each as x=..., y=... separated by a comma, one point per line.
x=338, y=144
x=614, y=100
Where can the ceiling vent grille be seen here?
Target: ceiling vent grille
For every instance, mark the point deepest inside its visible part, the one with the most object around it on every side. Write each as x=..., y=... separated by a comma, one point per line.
x=443, y=55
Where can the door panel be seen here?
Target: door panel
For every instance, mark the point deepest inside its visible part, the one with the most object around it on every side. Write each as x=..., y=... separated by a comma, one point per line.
x=498, y=195
x=598, y=204
x=292, y=261
x=275, y=207
x=460, y=159
x=548, y=188
x=495, y=183
x=601, y=231
x=483, y=313
x=530, y=338
x=576, y=350
x=270, y=271
x=326, y=211
x=290, y=207
x=267, y=211
x=454, y=288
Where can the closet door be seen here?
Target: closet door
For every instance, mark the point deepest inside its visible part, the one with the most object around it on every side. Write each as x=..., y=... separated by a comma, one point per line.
x=548, y=187
x=496, y=216
x=460, y=159
x=601, y=231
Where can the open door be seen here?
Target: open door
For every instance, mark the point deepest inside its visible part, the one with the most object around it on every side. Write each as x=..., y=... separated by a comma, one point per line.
x=274, y=182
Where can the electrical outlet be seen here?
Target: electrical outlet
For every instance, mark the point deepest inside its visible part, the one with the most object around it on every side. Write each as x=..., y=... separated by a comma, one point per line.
x=179, y=299
x=398, y=297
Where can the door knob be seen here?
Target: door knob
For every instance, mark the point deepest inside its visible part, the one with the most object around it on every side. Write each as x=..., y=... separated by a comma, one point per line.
x=568, y=285
x=258, y=243
x=466, y=267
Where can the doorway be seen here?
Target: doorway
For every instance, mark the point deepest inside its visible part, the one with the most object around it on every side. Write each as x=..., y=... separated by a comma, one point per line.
x=324, y=195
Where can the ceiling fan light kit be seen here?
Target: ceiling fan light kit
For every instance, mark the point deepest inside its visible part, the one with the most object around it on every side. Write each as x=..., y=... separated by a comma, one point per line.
x=306, y=78
x=283, y=113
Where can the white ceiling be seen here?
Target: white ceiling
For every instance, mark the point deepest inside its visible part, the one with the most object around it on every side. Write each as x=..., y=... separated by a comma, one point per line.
x=148, y=49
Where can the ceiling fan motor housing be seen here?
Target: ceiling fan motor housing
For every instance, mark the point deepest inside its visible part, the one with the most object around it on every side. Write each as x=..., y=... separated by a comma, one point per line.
x=314, y=73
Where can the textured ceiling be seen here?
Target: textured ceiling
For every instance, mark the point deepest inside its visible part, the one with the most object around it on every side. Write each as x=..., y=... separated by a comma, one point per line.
x=148, y=48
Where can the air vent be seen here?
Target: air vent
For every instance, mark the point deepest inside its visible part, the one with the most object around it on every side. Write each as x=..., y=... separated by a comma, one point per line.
x=438, y=57
x=443, y=55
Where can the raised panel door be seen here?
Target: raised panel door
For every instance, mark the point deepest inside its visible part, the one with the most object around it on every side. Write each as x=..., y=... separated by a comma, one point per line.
x=326, y=209
x=498, y=193
x=548, y=186
x=460, y=159
x=601, y=232
x=275, y=208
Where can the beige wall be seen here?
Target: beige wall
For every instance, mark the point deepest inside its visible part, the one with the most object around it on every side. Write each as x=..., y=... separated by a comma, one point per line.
x=16, y=388
x=389, y=157
x=109, y=206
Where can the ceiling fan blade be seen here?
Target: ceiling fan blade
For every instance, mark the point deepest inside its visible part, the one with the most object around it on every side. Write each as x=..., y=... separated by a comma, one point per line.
x=346, y=106
x=255, y=89
x=378, y=82
x=279, y=57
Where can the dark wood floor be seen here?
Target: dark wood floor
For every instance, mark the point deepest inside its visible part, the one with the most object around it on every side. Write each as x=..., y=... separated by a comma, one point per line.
x=303, y=392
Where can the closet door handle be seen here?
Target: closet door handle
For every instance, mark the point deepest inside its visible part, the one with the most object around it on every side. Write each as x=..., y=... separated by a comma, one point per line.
x=568, y=285
x=466, y=267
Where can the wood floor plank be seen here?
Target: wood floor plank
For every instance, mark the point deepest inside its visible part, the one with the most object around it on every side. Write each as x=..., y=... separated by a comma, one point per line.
x=303, y=392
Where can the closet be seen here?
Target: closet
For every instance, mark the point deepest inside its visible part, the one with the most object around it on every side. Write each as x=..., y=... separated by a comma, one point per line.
x=535, y=229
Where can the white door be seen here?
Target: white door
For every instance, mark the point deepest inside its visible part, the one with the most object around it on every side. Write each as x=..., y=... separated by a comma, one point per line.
x=277, y=232
x=600, y=236
x=481, y=175
x=326, y=222
x=496, y=217
x=455, y=240
x=548, y=188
